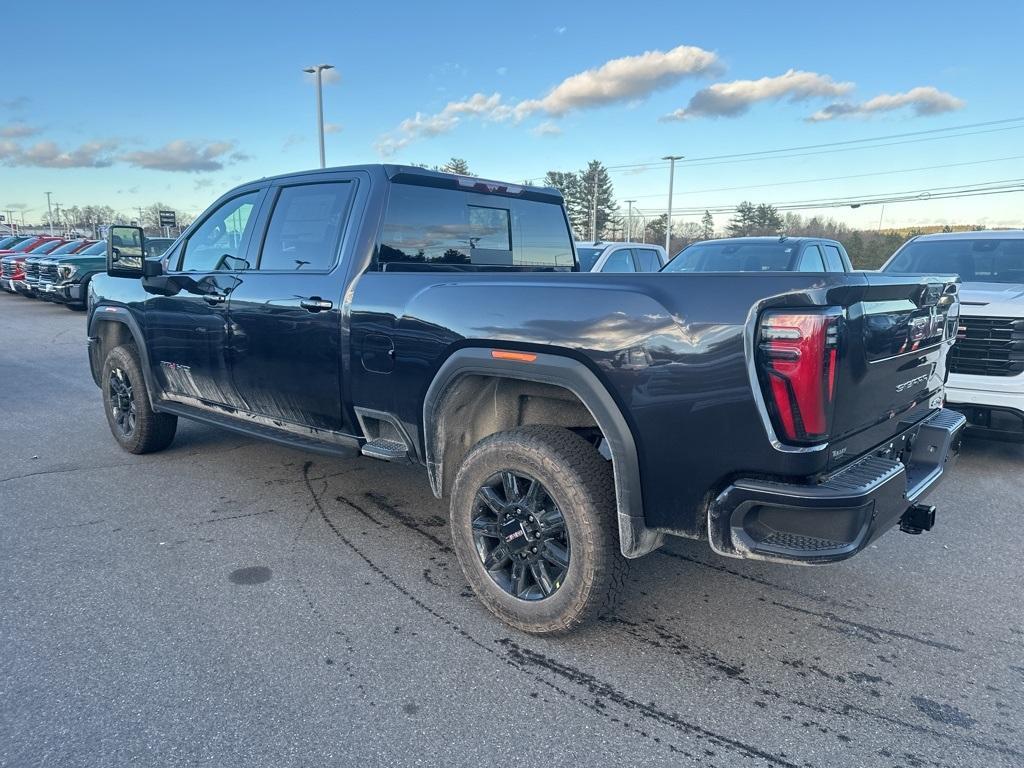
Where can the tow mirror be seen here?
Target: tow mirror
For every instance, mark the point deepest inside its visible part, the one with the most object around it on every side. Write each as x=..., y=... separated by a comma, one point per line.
x=125, y=251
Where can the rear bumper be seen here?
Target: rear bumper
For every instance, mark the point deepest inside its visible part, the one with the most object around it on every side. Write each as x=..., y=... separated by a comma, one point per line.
x=836, y=519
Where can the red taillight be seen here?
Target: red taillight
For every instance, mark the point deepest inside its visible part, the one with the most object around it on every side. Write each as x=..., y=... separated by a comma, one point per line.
x=798, y=352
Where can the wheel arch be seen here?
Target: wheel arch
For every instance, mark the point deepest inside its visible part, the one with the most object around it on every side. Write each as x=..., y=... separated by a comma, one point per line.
x=459, y=381
x=110, y=327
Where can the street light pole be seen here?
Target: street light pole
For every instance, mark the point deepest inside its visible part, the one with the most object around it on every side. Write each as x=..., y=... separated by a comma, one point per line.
x=629, y=221
x=668, y=219
x=318, y=71
x=49, y=215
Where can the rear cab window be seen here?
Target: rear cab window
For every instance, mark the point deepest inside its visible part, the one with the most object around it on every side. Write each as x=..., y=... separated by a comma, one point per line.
x=429, y=228
x=647, y=259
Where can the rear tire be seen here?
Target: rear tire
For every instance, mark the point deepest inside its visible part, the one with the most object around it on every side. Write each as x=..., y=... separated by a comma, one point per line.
x=543, y=561
x=133, y=422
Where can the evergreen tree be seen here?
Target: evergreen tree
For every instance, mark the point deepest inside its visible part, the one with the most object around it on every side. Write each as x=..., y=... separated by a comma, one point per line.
x=595, y=179
x=575, y=204
x=768, y=220
x=456, y=165
x=744, y=222
x=707, y=226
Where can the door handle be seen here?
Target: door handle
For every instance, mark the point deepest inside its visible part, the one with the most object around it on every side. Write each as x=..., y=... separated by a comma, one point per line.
x=215, y=298
x=315, y=304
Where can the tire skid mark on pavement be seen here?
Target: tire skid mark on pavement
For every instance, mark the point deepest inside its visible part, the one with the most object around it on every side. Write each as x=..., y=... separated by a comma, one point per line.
x=825, y=599
x=606, y=691
x=871, y=631
x=657, y=635
x=526, y=661
x=386, y=506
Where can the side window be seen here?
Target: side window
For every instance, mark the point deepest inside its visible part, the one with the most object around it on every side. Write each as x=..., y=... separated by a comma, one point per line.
x=647, y=260
x=541, y=236
x=810, y=260
x=424, y=228
x=619, y=261
x=440, y=229
x=306, y=226
x=833, y=259
x=216, y=244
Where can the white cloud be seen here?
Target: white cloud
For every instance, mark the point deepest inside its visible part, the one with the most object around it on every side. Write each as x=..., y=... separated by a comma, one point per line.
x=624, y=79
x=332, y=127
x=616, y=81
x=46, y=154
x=560, y=30
x=734, y=98
x=426, y=126
x=502, y=71
x=18, y=130
x=547, y=128
x=923, y=100
x=186, y=156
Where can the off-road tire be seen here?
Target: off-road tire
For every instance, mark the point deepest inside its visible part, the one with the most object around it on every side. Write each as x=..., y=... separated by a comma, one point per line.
x=152, y=431
x=581, y=484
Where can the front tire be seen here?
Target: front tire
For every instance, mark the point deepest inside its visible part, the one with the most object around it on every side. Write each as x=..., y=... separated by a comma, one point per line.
x=534, y=527
x=133, y=422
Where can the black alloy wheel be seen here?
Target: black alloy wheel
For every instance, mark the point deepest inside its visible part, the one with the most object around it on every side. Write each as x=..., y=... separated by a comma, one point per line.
x=520, y=536
x=122, y=401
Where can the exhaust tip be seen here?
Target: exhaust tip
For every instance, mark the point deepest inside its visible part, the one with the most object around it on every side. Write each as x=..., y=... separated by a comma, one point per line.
x=918, y=519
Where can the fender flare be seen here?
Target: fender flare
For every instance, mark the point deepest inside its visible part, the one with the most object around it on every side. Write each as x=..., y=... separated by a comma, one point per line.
x=104, y=313
x=635, y=538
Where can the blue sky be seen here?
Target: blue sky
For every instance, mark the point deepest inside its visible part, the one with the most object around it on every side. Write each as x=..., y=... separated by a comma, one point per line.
x=125, y=104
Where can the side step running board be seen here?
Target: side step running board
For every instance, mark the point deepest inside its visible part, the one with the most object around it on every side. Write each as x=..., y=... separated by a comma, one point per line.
x=386, y=450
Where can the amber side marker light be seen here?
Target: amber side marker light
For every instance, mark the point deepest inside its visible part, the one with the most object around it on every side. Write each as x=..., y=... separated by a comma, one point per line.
x=504, y=354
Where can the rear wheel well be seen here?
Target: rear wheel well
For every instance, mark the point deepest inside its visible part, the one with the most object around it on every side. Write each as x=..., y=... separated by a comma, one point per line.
x=476, y=406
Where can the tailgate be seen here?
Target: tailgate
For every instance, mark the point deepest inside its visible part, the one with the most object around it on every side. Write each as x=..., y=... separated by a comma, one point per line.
x=891, y=366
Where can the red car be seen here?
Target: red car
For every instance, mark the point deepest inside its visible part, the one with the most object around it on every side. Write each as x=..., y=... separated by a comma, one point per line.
x=12, y=263
x=27, y=245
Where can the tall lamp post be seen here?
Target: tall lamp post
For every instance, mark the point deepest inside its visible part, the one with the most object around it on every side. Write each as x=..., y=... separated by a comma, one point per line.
x=629, y=221
x=668, y=219
x=49, y=212
x=318, y=71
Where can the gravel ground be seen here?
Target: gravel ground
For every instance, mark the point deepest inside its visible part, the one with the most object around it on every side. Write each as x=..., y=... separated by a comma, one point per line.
x=232, y=602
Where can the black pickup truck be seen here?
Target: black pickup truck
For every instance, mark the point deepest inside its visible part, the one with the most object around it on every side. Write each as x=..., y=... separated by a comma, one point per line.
x=574, y=419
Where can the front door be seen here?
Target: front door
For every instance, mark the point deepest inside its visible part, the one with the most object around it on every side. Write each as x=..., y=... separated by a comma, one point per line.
x=286, y=311
x=187, y=327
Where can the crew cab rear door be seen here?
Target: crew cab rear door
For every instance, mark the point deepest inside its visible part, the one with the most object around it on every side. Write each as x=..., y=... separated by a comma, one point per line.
x=286, y=315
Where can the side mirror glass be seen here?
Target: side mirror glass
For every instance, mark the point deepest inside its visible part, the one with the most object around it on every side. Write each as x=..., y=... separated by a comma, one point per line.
x=125, y=251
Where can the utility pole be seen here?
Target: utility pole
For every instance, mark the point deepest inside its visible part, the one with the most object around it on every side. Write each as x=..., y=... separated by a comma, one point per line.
x=668, y=219
x=593, y=212
x=58, y=217
x=140, y=219
x=629, y=221
x=318, y=71
x=10, y=222
x=49, y=215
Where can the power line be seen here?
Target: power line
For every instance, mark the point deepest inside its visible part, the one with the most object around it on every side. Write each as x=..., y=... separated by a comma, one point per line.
x=829, y=147
x=842, y=178
x=1005, y=186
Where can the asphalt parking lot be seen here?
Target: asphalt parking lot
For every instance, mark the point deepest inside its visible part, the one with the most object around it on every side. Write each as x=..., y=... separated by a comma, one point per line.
x=231, y=602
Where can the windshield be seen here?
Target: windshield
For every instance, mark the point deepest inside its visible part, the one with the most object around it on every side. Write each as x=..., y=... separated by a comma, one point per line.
x=9, y=242
x=26, y=246
x=45, y=247
x=95, y=249
x=67, y=247
x=732, y=256
x=984, y=260
x=588, y=257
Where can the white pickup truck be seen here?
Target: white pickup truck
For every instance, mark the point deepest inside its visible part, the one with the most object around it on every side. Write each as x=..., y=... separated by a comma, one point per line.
x=986, y=365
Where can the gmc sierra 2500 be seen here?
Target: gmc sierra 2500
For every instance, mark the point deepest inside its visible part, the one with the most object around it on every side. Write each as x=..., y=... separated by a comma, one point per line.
x=573, y=419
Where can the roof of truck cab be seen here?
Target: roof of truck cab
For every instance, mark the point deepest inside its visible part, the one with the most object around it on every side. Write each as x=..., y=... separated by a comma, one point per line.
x=768, y=239
x=980, y=234
x=424, y=176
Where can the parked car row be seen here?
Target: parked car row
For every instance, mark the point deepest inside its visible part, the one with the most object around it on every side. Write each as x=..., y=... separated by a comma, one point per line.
x=57, y=269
